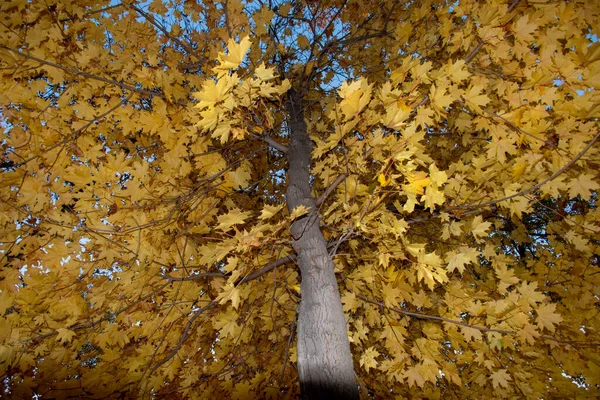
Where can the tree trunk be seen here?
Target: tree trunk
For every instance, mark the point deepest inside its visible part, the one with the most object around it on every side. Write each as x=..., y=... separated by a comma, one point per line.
x=324, y=360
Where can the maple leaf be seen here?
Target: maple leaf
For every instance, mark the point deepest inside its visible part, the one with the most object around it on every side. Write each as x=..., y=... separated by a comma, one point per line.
x=523, y=29
x=242, y=391
x=350, y=302
x=547, y=317
x=235, y=54
x=268, y=211
x=143, y=178
x=64, y=335
x=474, y=99
x=457, y=71
x=368, y=359
x=383, y=181
x=479, y=228
x=458, y=260
x=241, y=176
x=584, y=185
x=299, y=211
x=528, y=291
x=439, y=98
x=233, y=217
x=413, y=377
x=500, y=378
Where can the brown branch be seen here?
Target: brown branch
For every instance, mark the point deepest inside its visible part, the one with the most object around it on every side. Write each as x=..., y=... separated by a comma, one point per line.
x=100, y=10
x=519, y=130
x=331, y=188
x=75, y=133
x=479, y=328
x=150, y=18
x=532, y=188
x=91, y=76
x=193, y=277
x=473, y=207
x=474, y=52
x=271, y=142
x=184, y=336
x=100, y=320
x=227, y=25
x=432, y=317
x=266, y=268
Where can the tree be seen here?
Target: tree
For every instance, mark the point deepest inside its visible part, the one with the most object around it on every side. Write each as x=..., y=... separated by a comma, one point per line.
x=340, y=198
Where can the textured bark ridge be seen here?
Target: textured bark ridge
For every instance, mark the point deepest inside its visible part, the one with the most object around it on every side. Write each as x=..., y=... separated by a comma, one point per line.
x=324, y=360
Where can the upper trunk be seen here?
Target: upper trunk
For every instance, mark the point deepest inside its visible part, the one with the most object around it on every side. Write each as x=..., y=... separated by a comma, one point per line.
x=324, y=359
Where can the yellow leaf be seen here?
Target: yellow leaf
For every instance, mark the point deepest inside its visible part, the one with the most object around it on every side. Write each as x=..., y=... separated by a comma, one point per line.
x=263, y=73
x=518, y=169
x=233, y=217
x=414, y=377
x=438, y=97
x=64, y=335
x=457, y=261
x=474, y=99
x=500, y=378
x=349, y=301
x=416, y=182
x=547, y=316
x=524, y=29
x=241, y=176
x=479, y=228
x=437, y=177
x=303, y=42
x=368, y=359
x=471, y=333
x=528, y=291
x=298, y=212
x=268, y=211
x=230, y=292
x=242, y=391
x=383, y=181
x=396, y=115
x=457, y=71
x=213, y=92
x=583, y=185
x=498, y=149
x=235, y=54
x=355, y=97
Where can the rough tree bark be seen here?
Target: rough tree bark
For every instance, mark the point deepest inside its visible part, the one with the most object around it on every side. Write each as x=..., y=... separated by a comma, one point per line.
x=324, y=359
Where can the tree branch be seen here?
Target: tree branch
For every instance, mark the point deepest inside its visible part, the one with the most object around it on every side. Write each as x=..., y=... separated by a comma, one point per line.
x=271, y=142
x=473, y=207
x=75, y=133
x=479, y=328
x=532, y=188
x=183, y=337
x=331, y=188
x=91, y=76
x=150, y=18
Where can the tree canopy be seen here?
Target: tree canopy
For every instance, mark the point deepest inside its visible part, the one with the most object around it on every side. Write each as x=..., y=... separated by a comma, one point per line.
x=158, y=197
